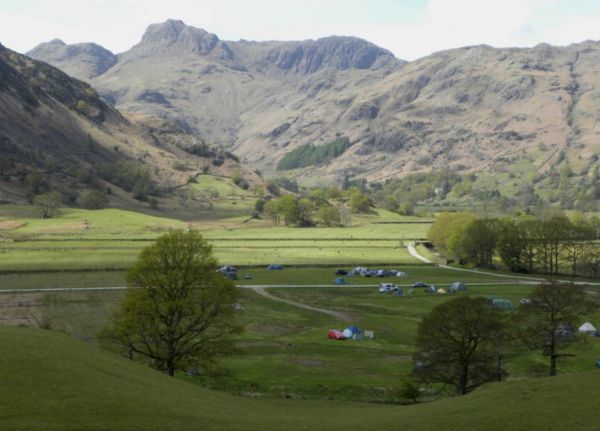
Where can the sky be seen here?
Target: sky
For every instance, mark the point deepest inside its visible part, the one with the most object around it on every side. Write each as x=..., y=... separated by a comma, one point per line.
x=409, y=28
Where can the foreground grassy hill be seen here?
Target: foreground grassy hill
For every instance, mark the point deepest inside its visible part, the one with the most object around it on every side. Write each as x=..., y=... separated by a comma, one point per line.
x=53, y=382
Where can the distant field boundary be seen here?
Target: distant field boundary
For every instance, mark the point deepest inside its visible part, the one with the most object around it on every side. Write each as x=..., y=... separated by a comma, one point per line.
x=306, y=265
x=117, y=240
x=405, y=222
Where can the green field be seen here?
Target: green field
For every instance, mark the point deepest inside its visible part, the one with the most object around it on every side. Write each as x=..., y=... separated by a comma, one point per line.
x=51, y=381
x=284, y=352
x=112, y=239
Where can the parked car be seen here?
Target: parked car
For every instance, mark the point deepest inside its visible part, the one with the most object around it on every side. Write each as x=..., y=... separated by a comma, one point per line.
x=387, y=287
x=420, y=284
x=525, y=301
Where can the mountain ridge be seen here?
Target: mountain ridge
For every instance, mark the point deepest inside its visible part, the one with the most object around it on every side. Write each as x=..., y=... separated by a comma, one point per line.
x=467, y=108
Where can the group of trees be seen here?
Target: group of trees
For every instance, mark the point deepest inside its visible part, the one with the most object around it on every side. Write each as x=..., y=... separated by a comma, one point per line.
x=328, y=207
x=549, y=244
x=463, y=342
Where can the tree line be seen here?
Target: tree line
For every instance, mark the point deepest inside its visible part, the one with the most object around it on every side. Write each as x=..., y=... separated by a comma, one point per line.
x=550, y=243
x=326, y=207
x=464, y=342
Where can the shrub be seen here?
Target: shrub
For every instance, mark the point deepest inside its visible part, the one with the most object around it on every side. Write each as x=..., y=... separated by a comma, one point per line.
x=94, y=200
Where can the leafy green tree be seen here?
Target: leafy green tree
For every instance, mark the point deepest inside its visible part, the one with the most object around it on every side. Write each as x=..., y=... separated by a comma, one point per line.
x=306, y=210
x=579, y=235
x=288, y=208
x=547, y=322
x=177, y=311
x=259, y=205
x=271, y=209
x=94, y=200
x=48, y=203
x=359, y=202
x=479, y=241
x=406, y=208
x=457, y=343
x=329, y=215
x=446, y=228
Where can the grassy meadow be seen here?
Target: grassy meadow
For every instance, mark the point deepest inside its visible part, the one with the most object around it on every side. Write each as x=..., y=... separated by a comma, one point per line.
x=78, y=386
x=111, y=239
x=283, y=354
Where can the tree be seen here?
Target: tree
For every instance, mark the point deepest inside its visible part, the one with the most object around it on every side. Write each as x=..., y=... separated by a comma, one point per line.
x=446, y=226
x=48, y=203
x=288, y=208
x=579, y=234
x=305, y=212
x=177, y=310
x=547, y=322
x=479, y=240
x=259, y=205
x=359, y=202
x=329, y=215
x=271, y=209
x=457, y=343
x=94, y=200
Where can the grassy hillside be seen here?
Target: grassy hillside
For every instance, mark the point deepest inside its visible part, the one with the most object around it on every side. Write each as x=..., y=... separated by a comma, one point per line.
x=53, y=382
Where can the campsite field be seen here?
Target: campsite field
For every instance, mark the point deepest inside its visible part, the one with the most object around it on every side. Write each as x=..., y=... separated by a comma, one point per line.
x=284, y=351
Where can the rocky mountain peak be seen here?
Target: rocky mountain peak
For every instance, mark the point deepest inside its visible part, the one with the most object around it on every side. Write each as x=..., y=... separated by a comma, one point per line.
x=337, y=52
x=163, y=33
x=82, y=60
x=176, y=35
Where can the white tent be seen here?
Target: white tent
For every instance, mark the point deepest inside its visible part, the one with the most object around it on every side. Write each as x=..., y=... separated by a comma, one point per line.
x=587, y=328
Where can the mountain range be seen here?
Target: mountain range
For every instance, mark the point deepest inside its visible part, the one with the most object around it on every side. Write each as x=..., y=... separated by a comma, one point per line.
x=473, y=109
x=58, y=134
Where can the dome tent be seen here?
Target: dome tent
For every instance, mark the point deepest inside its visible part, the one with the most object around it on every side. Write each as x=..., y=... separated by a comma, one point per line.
x=587, y=328
x=352, y=332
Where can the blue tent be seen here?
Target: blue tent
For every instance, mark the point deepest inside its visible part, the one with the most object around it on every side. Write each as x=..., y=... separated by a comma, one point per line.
x=274, y=267
x=352, y=332
x=340, y=281
x=399, y=292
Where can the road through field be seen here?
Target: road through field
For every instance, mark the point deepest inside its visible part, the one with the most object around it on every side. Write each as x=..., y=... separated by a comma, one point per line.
x=337, y=314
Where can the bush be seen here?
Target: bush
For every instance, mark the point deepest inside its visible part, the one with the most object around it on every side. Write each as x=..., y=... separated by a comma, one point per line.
x=94, y=200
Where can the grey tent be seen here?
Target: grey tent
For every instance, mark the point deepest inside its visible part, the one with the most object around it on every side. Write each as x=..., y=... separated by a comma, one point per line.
x=587, y=328
x=457, y=286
